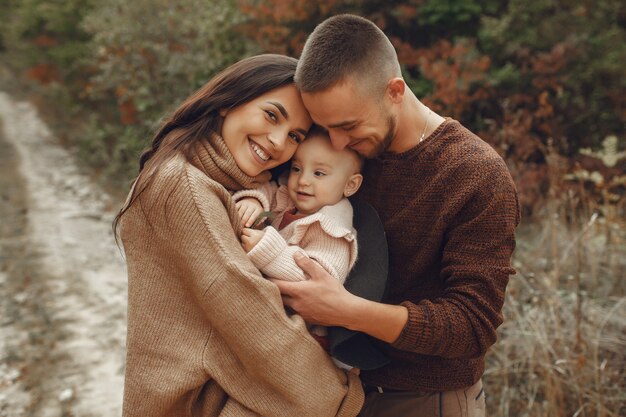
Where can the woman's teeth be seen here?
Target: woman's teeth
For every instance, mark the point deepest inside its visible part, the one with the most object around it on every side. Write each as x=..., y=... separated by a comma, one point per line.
x=260, y=152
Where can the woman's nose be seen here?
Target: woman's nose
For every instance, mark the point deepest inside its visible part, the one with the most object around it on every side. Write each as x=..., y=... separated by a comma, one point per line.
x=277, y=139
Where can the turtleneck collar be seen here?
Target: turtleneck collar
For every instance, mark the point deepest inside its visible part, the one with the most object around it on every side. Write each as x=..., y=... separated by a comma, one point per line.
x=213, y=157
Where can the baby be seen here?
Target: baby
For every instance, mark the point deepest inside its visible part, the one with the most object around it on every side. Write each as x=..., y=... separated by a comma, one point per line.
x=311, y=212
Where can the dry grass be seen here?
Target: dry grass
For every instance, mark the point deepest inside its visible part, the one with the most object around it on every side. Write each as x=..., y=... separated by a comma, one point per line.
x=562, y=349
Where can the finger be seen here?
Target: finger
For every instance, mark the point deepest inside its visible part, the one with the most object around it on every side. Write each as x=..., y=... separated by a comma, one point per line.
x=241, y=208
x=246, y=219
x=254, y=216
x=287, y=300
x=308, y=265
x=246, y=232
x=286, y=288
x=249, y=216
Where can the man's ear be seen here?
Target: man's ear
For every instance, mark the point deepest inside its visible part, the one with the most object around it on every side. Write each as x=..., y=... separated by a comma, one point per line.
x=395, y=89
x=352, y=185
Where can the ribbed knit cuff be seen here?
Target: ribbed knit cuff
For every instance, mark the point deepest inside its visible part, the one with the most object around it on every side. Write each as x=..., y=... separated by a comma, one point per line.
x=258, y=195
x=268, y=249
x=417, y=335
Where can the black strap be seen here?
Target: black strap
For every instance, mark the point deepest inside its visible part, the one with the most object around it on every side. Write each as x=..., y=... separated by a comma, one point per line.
x=368, y=279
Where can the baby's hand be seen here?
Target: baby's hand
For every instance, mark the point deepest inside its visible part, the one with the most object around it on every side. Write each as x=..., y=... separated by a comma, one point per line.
x=250, y=237
x=248, y=209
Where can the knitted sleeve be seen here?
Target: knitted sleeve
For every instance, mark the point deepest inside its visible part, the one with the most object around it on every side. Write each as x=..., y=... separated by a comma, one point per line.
x=264, y=194
x=274, y=257
x=477, y=250
x=266, y=361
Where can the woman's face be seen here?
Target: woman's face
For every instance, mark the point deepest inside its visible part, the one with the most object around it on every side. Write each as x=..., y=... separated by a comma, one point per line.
x=264, y=133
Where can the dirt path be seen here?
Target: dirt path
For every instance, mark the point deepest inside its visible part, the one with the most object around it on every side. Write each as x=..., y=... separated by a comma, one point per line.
x=62, y=279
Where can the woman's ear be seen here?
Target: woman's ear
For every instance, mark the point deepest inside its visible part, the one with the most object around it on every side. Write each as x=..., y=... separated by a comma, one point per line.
x=352, y=185
x=223, y=112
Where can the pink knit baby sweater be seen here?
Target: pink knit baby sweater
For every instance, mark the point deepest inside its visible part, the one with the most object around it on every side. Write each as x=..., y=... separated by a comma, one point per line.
x=326, y=236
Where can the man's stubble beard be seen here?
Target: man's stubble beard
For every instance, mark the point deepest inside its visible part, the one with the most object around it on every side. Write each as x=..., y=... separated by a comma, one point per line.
x=383, y=145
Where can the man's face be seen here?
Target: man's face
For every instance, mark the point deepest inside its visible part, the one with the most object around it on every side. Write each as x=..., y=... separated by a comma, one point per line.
x=353, y=118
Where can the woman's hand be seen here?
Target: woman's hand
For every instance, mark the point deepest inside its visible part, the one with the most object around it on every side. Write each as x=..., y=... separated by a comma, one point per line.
x=250, y=237
x=248, y=209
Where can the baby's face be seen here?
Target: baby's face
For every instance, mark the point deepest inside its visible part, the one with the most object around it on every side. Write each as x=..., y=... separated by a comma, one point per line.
x=319, y=174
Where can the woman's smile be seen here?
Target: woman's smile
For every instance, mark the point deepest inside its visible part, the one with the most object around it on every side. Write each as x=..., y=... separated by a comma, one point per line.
x=260, y=154
x=264, y=132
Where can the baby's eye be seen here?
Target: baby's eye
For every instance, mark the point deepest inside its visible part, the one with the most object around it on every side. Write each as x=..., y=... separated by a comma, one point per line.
x=295, y=168
x=271, y=115
x=295, y=137
x=319, y=173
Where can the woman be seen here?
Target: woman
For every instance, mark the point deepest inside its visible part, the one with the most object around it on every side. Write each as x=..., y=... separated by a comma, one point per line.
x=207, y=334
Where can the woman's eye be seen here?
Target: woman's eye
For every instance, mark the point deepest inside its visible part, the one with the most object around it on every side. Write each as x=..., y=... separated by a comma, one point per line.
x=271, y=115
x=295, y=137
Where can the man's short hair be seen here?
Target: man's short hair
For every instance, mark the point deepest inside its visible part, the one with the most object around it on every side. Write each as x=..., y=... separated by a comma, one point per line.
x=346, y=46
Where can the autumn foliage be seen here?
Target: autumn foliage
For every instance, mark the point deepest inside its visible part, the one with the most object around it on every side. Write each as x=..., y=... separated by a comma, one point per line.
x=538, y=80
x=531, y=79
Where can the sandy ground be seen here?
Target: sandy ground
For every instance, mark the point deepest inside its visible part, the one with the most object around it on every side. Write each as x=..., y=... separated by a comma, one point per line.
x=62, y=279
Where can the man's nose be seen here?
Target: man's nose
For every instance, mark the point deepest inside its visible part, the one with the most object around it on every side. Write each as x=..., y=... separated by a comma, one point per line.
x=339, y=138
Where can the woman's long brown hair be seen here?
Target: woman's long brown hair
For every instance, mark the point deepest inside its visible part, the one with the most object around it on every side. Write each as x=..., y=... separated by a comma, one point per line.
x=198, y=116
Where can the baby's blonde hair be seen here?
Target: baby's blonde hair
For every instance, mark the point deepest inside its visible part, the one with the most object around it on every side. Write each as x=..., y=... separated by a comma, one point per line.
x=318, y=131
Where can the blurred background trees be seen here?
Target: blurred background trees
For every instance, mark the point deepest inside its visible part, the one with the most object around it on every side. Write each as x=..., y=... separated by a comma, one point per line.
x=117, y=67
x=537, y=80
x=542, y=81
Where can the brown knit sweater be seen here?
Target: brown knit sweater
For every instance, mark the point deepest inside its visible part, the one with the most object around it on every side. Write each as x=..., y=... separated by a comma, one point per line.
x=207, y=334
x=449, y=209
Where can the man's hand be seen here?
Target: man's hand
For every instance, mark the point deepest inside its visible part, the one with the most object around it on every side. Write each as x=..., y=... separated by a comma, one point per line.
x=248, y=210
x=319, y=300
x=250, y=237
x=323, y=300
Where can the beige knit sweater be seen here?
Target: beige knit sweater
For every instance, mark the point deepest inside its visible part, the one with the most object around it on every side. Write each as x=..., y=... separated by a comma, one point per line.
x=207, y=334
x=326, y=236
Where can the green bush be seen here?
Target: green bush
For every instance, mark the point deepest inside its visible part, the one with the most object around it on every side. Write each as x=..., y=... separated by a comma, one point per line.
x=528, y=77
x=574, y=53
x=44, y=36
x=147, y=57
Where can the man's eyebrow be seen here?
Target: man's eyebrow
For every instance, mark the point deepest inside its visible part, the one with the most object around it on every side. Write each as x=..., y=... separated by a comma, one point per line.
x=343, y=124
x=280, y=108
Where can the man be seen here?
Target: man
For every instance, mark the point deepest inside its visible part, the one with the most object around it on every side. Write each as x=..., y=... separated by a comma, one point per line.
x=449, y=209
